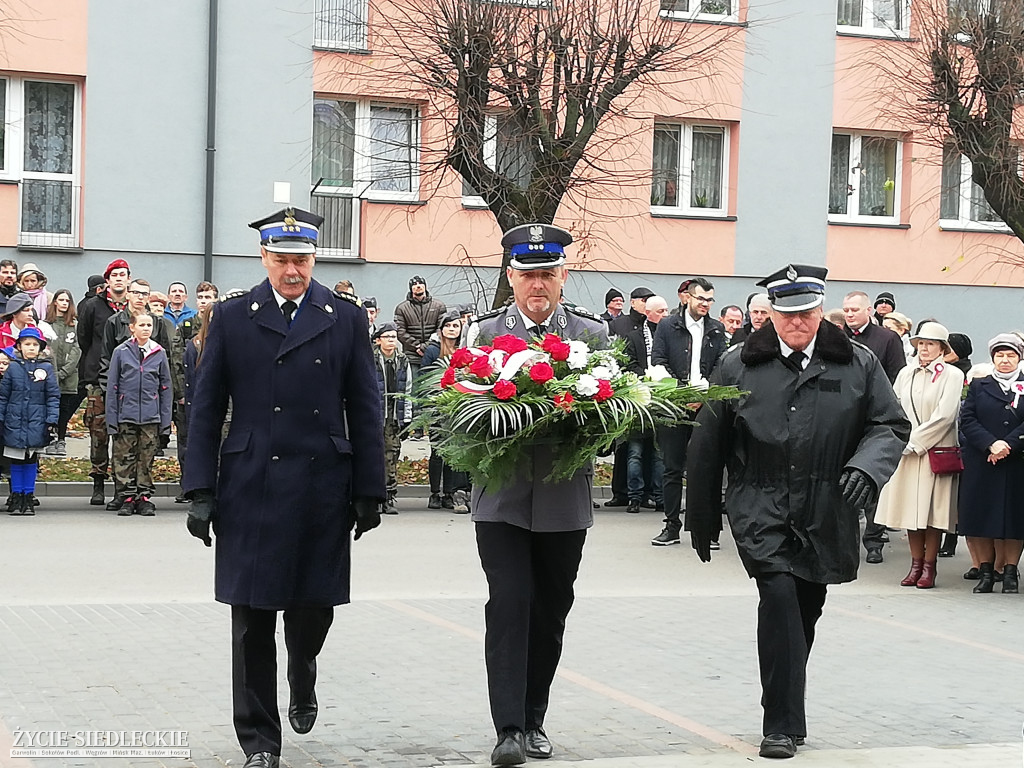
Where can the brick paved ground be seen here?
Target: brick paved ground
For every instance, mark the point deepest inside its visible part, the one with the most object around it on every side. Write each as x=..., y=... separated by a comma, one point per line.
x=107, y=623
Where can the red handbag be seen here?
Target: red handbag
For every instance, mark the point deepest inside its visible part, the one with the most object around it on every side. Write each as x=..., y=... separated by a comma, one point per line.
x=946, y=461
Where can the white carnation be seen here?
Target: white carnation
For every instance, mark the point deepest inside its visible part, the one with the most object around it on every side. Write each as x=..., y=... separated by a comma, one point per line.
x=578, y=352
x=587, y=385
x=608, y=365
x=658, y=372
x=603, y=372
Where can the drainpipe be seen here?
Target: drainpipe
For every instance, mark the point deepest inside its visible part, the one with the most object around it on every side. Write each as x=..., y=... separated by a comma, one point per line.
x=211, y=139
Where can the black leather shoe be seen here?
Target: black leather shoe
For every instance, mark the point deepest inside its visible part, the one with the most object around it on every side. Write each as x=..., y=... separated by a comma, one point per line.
x=648, y=504
x=777, y=745
x=617, y=501
x=302, y=715
x=114, y=504
x=262, y=760
x=633, y=508
x=510, y=749
x=537, y=744
x=874, y=556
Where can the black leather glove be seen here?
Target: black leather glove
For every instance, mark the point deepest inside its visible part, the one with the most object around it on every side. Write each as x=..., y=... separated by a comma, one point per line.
x=365, y=515
x=701, y=542
x=858, y=489
x=200, y=514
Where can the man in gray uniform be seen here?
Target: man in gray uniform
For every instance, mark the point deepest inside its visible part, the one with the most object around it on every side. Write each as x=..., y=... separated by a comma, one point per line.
x=530, y=533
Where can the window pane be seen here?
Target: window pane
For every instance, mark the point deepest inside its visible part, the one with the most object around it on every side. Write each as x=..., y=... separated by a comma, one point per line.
x=49, y=127
x=334, y=130
x=850, y=13
x=949, y=198
x=877, y=176
x=391, y=148
x=513, y=154
x=665, y=166
x=675, y=5
x=716, y=6
x=340, y=23
x=336, y=231
x=706, y=168
x=886, y=14
x=3, y=119
x=839, y=177
x=980, y=209
x=46, y=206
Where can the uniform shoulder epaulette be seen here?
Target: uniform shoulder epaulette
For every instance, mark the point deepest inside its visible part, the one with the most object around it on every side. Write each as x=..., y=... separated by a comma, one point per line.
x=489, y=315
x=581, y=312
x=349, y=297
x=233, y=295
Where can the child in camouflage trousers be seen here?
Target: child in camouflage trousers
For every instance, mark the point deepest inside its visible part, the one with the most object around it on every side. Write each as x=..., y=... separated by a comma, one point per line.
x=138, y=412
x=394, y=377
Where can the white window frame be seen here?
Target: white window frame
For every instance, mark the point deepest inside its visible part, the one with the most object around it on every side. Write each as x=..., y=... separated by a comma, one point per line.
x=964, y=220
x=14, y=160
x=868, y=13
x=853, y=215
x=342, y=45
x=683, y=185
x=695, y=14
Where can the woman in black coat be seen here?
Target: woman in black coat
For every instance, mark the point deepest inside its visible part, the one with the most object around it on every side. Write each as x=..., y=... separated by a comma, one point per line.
x=992, y=485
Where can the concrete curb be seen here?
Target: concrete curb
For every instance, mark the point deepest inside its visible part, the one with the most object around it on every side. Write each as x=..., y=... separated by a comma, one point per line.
x=78, y=489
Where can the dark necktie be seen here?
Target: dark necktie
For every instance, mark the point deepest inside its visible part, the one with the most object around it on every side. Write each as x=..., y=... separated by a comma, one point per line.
x=797, y=359
x=287, y=309
x=540, y=330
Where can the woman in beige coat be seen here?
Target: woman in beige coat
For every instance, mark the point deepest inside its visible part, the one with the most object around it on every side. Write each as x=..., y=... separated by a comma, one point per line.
x=916, y=498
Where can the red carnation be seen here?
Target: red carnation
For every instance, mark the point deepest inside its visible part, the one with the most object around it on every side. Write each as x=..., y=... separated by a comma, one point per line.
x=481, y=367
x=555, y=347
x=509, y=343
x=565, y=401
x=448, y=378
x=461, y=357
x=604, y=390
x=541, y=372
x=504, y=389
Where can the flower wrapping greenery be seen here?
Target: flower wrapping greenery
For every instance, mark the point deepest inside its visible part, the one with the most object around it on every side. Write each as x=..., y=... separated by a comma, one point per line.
x=492, y=404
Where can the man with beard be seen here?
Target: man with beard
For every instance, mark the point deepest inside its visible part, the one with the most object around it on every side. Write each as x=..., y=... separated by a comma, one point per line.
x=416, y=319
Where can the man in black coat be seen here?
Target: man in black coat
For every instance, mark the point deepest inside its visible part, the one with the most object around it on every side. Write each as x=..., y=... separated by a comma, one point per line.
x=688, y=345
x=889, y=350
x=818, y=435
x=302, y=464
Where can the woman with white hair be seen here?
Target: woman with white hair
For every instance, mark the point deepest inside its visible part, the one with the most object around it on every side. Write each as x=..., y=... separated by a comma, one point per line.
x=917, y=498
x=992, y=435
x=900, y=324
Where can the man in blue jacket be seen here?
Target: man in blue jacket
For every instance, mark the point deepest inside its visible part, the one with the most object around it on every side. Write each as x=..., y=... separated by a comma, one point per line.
x=302, y=464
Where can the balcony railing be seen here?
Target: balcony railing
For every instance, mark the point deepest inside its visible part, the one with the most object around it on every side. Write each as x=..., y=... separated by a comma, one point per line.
x=340, y=24
x=339, y=234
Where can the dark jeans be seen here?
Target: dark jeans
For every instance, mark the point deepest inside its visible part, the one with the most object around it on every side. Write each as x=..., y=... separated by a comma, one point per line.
x=68, y=405
x=786, y=615
x=530, y=580
x=672, y=443
x=254, y=668
x=639, y=450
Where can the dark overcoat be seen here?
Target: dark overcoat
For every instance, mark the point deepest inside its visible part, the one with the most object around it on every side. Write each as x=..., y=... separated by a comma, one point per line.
x=306, y=437
x=990, y=502
x=29, y=401
x=528, y=501
x=786, y=444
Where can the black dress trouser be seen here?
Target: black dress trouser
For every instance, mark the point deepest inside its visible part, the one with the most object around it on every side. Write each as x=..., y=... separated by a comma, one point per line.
x=672, y=442
x=786, y=615
x=530, y=580
x=254, y=668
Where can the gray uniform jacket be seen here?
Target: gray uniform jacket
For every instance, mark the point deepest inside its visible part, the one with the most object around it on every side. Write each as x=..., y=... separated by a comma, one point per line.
x=527, y=501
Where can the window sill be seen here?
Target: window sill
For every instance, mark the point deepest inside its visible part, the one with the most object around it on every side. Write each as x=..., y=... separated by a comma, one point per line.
x=355, y=51
x=975, y=229
x=723, y=21
x=50, y=248
x=875, y=34
x=474, y=205
x=663, y=213
x=9, y=180
x=869, y=224
x=392, y=201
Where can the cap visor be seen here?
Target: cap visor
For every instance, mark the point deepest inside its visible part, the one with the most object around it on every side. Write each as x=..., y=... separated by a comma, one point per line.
x=285, y=247
x=546, y=264
x=799, y=302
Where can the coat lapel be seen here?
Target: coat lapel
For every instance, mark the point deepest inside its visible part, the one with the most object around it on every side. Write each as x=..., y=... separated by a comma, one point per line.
x=264, y=311
x=316, y=316
x=991, y=386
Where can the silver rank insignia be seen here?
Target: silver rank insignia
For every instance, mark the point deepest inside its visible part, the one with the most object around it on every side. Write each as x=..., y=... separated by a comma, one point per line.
x=510, y=322
x=562, y=321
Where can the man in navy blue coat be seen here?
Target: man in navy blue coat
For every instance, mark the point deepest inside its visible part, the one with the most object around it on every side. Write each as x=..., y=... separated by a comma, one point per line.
x=302, y=464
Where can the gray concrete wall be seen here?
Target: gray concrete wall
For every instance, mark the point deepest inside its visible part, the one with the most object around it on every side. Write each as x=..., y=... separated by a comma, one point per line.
x=785, y=134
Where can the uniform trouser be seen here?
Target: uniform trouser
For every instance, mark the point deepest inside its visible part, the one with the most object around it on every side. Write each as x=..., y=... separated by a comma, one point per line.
x=181, y=430
x=69, y=403
x=96, y=422
x=392, y=453
x=530, y=580
x=672, y=442
x=620, y=475
x=786, y=615
x=874, y=534
x=134, y=449
x=254, y=668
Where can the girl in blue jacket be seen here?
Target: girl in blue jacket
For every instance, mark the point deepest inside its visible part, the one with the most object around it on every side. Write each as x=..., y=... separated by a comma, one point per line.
x=29, y=408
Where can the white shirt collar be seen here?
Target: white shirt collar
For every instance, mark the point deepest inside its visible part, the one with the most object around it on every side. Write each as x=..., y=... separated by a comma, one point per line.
x=808, y=350
x=690, y=322
x=529, y=324
x=281, y=299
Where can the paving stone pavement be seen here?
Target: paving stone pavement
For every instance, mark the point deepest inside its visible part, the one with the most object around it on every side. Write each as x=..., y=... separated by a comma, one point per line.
x=108, y=623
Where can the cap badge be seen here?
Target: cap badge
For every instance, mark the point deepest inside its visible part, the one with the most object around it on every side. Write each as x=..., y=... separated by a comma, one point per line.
x=537, y=234
x=791, y=274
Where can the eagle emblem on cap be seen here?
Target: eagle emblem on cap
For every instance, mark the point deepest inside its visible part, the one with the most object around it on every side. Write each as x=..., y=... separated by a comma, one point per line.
x=536, y=234
x=791, y=273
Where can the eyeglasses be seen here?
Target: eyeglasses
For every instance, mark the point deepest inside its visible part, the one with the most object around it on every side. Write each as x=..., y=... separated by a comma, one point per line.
x=139, y=293
x=703, y=299
x=389, y=337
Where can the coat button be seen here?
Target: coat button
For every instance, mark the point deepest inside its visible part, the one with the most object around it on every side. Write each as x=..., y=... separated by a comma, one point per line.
x=792, y=407
x=317, y=361
x=277, y=409
x=274, y=458
x=316, y=411
x=279, y=362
